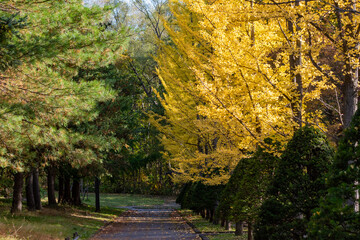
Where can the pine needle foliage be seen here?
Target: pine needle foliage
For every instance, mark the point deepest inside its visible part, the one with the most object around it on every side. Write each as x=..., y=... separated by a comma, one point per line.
x=297, y=186
x=199, y=197
x=338, y=216
x=245, y=191
x=40, y=101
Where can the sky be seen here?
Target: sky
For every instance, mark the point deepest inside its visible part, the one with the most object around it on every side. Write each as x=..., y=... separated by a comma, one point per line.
x=102, y=1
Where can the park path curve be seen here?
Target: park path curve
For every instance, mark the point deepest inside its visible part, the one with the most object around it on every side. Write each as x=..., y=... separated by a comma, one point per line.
x=158, y=222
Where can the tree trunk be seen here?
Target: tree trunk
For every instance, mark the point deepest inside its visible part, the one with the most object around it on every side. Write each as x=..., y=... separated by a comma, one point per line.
x=36, y=189
x=61, y=188
x=51, y=186
x=67, y=189
x=250, y=231
x=30, y=201
x=76, y=192
x=17, y=194
x=207, y=214
x=212, y=211
x=222, y=222
x=97, y=194
x=227, y=225
x=202, y=213
x=239, y=228
x=216, y=220
x=82, y=188
x=160, y=174
x=351, y=79
x=350, y=93
x=351, y=54
x=123, y=183
x=295, y=60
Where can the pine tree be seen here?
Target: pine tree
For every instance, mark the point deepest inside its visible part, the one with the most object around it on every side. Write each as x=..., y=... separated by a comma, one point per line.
x=41, y=102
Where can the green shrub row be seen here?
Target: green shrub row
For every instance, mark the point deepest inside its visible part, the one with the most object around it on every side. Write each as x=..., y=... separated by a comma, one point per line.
x=309, y=192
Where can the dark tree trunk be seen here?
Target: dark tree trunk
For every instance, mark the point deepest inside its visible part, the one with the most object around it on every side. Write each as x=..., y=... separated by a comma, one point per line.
x=51, y=186
x=36, y=189
x=30, y=201
x=67, y=190
x=97, y=194
x=216, y=220
x=222, y=222
x=351, y=56
x=123, y=183
x=227, y=225
x=160, y=174
x=76, y=192
x=61, y=188
x=202, y=213
x=17, y=194
x=295, y=61
x=250, y=231
x=350, y=93
x=82, y=189
x=211, y=219
x=239, y=228
x=207, y=214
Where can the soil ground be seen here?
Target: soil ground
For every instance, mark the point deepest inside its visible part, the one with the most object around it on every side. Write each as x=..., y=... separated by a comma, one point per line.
x=142, y=223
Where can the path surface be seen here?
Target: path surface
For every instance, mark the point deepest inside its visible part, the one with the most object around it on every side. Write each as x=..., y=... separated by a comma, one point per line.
x=159, y=222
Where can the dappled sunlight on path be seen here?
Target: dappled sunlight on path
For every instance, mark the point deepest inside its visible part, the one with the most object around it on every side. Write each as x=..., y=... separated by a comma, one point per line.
x=138, y=223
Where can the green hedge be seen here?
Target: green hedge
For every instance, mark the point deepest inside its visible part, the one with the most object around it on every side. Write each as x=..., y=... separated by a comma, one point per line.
x=297, y=187
x=336, y=217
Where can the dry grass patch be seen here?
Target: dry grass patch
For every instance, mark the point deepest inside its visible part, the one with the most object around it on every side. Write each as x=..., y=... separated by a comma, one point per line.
x=52, y=223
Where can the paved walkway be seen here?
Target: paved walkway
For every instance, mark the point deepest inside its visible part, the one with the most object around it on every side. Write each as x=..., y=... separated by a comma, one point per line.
x=160, y=222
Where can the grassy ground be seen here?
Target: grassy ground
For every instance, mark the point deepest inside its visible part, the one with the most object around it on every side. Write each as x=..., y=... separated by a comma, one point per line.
x=52, y=223
x=205, y=226
x=200, y=223
x=121, y=200
x=64, y=221
x=227, y=236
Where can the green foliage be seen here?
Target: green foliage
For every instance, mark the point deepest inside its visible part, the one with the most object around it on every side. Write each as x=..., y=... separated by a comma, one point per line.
x=257, y=173
x=180, y=198
x=243, y=194
x=336, y=217
x=10, y=24
x=297, y=187
x=41, y=103
x=205, y=196
x=229, y=192
x=124, y=118
x=198, y=196
x=122, y=200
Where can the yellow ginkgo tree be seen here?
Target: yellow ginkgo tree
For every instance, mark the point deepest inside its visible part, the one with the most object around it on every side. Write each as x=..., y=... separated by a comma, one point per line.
x=257, y=69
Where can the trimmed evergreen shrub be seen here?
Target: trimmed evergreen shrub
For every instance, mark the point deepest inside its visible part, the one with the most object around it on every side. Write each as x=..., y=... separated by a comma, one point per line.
x=197, y=196
x=258, y=172
x=188, y=197
x=180, y=198
x=297, y=187
x=336, y=217
x=242, y=196
x=228, y=194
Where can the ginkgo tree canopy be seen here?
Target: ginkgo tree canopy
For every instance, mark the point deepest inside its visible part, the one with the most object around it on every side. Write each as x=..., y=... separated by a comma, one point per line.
x=251, y=70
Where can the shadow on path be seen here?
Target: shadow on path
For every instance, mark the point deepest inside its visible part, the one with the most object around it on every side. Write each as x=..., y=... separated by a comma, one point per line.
x=159, y=222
